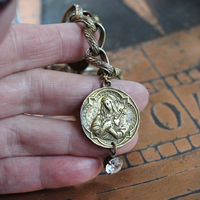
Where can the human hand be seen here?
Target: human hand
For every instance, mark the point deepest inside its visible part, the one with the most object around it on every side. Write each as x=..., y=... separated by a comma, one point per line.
x=38, y=153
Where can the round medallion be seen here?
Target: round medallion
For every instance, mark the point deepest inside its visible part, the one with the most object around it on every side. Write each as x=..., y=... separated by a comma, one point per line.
x=109, y=115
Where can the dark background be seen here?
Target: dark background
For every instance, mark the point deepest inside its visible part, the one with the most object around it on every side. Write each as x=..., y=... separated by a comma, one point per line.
x=123, y=25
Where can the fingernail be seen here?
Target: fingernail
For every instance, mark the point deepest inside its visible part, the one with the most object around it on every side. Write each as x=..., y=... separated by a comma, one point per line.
x=4, y=3
x=148, y=89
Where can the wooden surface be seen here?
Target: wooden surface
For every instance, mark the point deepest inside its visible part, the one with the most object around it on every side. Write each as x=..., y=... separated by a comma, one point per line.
x=30, y=11
x=165, y=163
x=131, y=21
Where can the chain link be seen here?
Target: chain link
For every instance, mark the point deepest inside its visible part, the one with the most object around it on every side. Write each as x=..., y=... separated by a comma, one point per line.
x=91, y=25
x=114, y=150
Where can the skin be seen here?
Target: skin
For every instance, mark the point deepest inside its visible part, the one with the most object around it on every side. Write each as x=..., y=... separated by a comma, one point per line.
x=6, y=16
x=38, y=153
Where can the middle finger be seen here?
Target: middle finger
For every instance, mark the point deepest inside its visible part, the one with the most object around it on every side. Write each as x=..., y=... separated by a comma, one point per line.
x=48, y=92
x=33, y=136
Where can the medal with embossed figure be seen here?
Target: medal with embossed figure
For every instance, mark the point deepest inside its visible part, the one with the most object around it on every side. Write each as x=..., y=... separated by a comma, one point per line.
x=109, y=116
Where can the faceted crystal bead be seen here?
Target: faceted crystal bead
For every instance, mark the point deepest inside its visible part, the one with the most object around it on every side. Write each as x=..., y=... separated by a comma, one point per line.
x=113, y=165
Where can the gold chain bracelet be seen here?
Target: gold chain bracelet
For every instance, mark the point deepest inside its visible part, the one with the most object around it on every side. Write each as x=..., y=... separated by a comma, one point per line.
x=109, y=117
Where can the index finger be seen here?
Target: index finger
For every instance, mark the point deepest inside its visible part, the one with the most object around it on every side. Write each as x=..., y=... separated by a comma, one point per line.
x=32, y=46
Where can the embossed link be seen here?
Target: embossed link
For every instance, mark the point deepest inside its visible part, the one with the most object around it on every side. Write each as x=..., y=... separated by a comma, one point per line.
x=78, y=11
x=91, y=26
x=102, y=64
x=86, y=20
x=91, y=41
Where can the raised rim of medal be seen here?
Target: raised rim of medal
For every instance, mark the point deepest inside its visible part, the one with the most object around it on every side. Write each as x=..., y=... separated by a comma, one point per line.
x=86, y=101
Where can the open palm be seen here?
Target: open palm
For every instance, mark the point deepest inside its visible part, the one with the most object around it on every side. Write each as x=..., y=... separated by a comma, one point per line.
x=38, y=153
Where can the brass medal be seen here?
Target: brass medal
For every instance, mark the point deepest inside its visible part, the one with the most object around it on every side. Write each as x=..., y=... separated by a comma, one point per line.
x=109, y=115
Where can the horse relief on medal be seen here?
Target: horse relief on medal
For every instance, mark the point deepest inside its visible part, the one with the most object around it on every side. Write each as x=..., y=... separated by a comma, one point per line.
x=109, y=115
